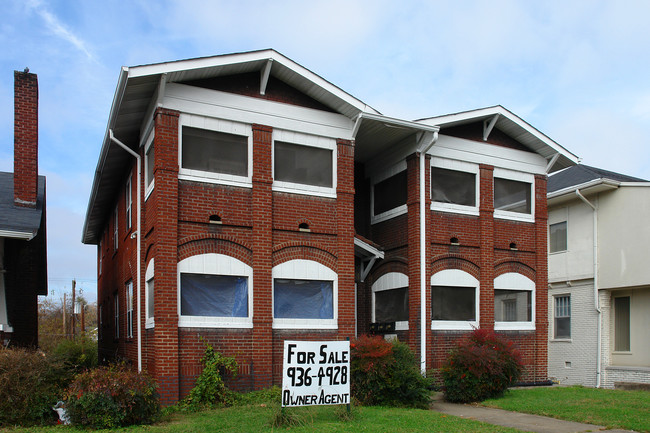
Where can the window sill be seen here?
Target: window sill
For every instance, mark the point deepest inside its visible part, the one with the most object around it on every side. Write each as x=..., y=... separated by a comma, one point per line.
x=453, y=325
x=206, y=177
x=457, y=209
x=561, y=340
x=149, y=324
x=514, y=326
x=212, y=322
x=385, y=216
x=303, y=189
x=304, y=324
x=514, y=216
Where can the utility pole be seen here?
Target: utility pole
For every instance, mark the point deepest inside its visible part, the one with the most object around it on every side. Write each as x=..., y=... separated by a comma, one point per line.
x=83, y=318
x=74, y=284
x=65, y=327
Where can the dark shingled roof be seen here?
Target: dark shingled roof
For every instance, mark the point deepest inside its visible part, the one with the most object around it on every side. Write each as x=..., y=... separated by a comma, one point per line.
x=579, y=174
x=16, y=218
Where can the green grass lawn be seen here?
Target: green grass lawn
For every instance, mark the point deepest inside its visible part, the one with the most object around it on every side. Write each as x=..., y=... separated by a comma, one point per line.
x=258, y=419
x=628, y=410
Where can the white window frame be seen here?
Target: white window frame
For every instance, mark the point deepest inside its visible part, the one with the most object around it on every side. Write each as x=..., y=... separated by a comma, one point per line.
x=116, y=236
x=149, y=279
x=555, y=316
x=518, y=176
x=301, y=139
x=567, y=237
x=149, y=183
x=390, y=281
x=467, y=167
x=516, y=281
x=457, y=278
x=300, y=269
x=392, y=213
x=116, y=331
x=216, y=125
x=128, y=199
x=215, y=264
x=129, y=309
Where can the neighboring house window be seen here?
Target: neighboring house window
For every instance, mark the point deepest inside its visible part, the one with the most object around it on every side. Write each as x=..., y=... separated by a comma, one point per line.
x=149, y=294
x=304, y=164
x=454, y=300
x=149, y=154
x=557, y=237
x=514, y=302
x=304, y=295
x=115, y=232
x=622, y=324
x=390, y=300
x=128, y=200
x=454, y=186
x=129, y=309
x=389, y=193
x=562, y=318
x=215, y=290
x=116, y=309
x=513, y=195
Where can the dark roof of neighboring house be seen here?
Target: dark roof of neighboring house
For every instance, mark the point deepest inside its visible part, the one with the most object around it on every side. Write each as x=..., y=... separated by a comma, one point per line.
x=579, y=174
x=16, y=219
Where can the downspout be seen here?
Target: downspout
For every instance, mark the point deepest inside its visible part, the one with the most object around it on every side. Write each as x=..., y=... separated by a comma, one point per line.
x=423, y=260
x=137, y=233
x=596, y=301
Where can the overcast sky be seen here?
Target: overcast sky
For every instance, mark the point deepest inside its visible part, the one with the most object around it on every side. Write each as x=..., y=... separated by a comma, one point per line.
x=579, y=71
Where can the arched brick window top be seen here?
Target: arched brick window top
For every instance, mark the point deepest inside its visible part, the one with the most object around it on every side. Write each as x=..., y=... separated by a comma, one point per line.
x=454, y=300
x=215, y=290
x=390, y=300
x=305, y=295
x=514, y=302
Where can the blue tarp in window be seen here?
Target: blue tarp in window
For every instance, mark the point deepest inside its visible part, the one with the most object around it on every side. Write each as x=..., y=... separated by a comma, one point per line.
x=303, y=299
x=214, y=295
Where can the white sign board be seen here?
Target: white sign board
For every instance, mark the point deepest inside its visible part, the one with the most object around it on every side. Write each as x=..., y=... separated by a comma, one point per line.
x=316, y=373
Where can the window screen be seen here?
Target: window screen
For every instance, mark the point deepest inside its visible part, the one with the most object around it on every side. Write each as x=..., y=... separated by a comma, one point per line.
x=392, y=305
x=453, y=303
x=557, y=235
x=512, y=306
x=149, y=161
x=303, y=164
x=303, y=299
x=390, y=193
x=451, y=186
x=215, y=152
x=214, y=295
x=622, y=324
x=512, y=195
x=562, y=317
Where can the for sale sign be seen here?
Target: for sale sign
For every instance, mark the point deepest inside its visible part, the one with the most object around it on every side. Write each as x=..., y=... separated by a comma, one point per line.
x=316, y=373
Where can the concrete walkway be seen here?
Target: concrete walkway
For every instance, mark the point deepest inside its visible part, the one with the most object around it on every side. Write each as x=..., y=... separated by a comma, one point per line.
x=520, y=421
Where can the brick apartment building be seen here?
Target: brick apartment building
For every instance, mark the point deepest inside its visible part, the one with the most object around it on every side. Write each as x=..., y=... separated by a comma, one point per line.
x=23, y=240
x=242, y=200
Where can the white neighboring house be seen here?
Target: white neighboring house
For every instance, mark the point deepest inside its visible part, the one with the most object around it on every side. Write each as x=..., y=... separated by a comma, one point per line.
x=599, y=278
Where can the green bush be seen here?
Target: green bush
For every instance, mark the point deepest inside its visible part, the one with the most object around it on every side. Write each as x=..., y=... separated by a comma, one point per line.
x=210, y=389
x=109, y=397
x=386, y=374
x=480, y=367
x=76, y=355
x=30, y=386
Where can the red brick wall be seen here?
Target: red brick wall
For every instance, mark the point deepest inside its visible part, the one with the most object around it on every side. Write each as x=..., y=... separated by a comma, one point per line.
x=25, y=139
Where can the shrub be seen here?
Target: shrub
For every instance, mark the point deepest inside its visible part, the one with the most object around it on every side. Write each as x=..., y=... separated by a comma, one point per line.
x=483, y=366
x=387, y=374
x=76, y=355
x=109, y=397
x=210, y=389
x=31, y=385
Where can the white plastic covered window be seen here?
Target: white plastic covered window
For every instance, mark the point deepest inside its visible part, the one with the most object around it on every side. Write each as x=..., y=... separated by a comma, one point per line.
x=390, y=300
x=454, y=300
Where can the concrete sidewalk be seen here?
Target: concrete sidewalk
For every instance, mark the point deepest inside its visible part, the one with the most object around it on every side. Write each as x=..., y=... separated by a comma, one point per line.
x=520, y=421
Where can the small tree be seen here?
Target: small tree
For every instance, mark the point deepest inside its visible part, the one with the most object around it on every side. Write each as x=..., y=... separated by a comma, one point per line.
x=210, y=389
x=480, y=367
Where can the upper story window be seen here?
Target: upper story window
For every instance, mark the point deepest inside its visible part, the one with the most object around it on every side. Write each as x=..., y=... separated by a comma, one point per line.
x=513, y=195
x=304, y=164
x=149, y=153
x=514, y=302
x=390, y=300
x=454, y=300
x=215, y=150
x=557, y=237
x=454, y=186
x=389, y=193
x=304, y=295
x=215, y=290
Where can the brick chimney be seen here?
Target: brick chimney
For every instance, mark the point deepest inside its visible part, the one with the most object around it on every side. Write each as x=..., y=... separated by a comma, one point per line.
x=25, y=138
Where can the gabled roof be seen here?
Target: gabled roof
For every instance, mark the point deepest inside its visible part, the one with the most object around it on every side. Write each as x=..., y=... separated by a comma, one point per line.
x=512, y=125
x=16, y=221
x=136, y=96
x=584, y=174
